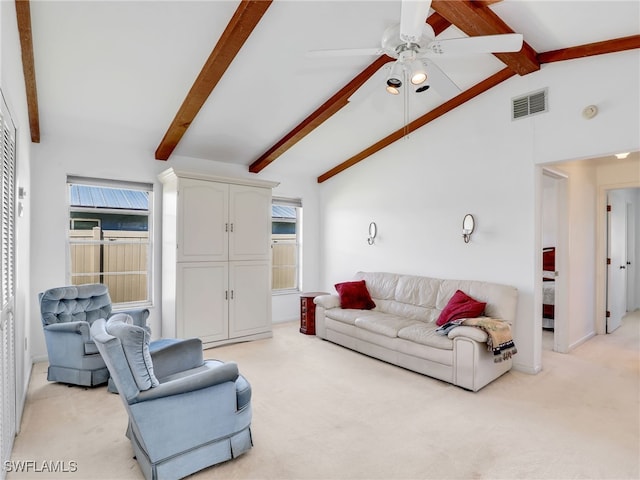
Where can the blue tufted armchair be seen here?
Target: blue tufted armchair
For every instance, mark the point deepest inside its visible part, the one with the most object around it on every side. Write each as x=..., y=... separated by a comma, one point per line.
x=67, y=314
x=185, y=413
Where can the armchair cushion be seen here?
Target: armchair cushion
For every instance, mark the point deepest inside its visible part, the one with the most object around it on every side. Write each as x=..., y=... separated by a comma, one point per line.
x=135, y=343
x=177, y=357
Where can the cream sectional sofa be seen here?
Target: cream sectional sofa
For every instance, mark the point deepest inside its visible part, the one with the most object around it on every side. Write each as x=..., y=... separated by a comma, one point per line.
x=401, y=329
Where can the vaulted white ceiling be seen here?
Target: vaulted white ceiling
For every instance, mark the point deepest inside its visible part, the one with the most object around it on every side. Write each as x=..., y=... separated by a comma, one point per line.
x=119, y=70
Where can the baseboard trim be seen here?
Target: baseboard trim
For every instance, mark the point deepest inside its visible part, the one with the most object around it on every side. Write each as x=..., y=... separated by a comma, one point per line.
x=584, y=339
x=527, y=368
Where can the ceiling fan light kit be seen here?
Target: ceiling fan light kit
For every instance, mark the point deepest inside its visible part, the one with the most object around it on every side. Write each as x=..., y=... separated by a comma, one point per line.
x=418, y=72
x=394, y=79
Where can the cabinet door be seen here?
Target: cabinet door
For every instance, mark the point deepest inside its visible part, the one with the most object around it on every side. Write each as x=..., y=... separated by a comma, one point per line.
x=202, y=307
x=250, y=302
x=250, y=217
x=203, y=221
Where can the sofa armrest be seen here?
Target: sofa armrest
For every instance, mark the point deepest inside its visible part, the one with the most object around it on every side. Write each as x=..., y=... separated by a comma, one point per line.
x=327, y=301
x=469, y=332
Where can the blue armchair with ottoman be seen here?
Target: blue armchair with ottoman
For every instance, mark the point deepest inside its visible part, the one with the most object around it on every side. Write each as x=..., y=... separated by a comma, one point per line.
x=185, y=413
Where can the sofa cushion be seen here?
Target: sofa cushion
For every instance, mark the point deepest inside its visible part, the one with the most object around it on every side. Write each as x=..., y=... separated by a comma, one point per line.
x=346, y=316
x=135, y=343
x=355, y=295
x=425, y=334
x=407, y=310
x=384, y=323
x=418, y=291
x=459, y=306
x=380, y=285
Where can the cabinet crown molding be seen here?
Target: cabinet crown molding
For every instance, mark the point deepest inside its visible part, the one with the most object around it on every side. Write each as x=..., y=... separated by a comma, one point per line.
x=171, y=173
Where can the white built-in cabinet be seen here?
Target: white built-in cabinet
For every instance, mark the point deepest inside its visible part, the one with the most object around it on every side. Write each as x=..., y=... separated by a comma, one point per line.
x=216, y=257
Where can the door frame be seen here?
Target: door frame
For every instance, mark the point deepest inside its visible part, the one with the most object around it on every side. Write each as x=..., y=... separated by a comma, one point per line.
x=561, y=309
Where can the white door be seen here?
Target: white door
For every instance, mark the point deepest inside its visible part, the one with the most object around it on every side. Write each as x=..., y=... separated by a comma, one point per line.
x=616, y=259
x=202, y=305
x=250, y=298
x=250, y=217
x=203, y=217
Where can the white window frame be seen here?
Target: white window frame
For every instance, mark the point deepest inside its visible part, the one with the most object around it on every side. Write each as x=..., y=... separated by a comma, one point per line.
x=118, y=184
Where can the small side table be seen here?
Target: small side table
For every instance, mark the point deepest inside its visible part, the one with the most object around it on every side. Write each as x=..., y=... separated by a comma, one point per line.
x=308, y=312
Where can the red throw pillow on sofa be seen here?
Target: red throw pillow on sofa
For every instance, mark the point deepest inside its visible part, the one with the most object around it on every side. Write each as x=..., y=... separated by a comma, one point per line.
x=355, y=295
x=460, y=306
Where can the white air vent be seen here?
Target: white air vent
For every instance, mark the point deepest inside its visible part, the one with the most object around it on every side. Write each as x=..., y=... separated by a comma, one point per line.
x=529, y=104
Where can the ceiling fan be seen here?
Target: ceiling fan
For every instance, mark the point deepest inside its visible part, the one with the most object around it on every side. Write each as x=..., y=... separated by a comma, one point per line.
x=413, y=44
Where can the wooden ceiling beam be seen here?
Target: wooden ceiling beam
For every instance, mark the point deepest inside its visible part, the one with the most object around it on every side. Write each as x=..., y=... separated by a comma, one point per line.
x=23, y=15
x=244, y=20
x=475, y=18
x=320, y=115
x=437, y=112
x=333, y=105
x=590, y=49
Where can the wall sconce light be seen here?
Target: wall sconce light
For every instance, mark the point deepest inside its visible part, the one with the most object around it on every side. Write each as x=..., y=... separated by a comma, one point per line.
x=373, y=231
x=468, y=226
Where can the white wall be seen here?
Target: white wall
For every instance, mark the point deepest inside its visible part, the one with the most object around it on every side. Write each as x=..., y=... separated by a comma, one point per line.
x=580, y=253
x=476, y=160
x=54, y=159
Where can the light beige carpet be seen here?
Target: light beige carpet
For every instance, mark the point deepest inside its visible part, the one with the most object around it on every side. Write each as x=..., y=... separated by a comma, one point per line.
x=324, y=412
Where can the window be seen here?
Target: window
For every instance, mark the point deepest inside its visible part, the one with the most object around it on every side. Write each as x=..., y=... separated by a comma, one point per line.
x=110, y=237
x=285, y=244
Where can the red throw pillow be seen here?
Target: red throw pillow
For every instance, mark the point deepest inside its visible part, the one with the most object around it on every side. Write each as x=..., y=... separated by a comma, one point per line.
x=355, y=295
x=460, y=306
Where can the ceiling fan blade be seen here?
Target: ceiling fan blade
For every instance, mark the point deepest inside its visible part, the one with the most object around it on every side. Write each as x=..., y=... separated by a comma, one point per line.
x=345, y=52
x=440, y=81
x=413, y=15
x=508, y=42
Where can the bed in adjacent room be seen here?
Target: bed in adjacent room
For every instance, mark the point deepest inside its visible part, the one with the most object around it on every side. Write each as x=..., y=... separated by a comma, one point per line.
x=548, y=287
